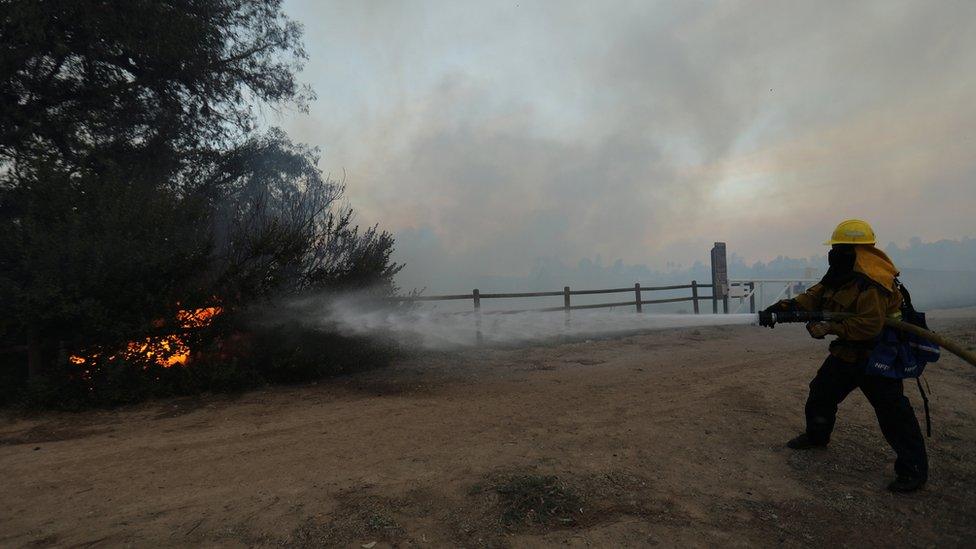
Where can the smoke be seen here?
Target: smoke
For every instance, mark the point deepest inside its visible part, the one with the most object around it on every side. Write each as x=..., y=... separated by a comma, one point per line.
x=433, y=329
x=487, y=135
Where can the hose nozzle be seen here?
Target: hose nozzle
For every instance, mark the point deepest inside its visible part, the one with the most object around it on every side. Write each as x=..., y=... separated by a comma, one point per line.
x=770, y=318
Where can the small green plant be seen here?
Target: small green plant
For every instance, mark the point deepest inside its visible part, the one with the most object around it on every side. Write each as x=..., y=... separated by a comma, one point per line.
x=539, y=499
x=378, y=522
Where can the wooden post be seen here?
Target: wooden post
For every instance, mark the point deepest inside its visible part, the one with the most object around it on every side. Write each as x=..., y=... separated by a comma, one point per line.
x=725, y=304
x=637, y=296
x=752, y=297
x=476, y=295
x=566, y=302
x=720, y=277
x=694, y=295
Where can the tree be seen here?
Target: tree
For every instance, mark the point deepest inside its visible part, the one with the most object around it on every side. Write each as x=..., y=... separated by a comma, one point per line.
x=86, y=81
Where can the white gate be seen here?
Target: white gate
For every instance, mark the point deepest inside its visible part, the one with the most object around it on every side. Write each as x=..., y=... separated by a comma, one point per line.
x=762, y=292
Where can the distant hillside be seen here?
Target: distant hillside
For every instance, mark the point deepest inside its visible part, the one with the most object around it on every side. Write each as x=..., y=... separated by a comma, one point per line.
x=942, y=255
x=940, y=289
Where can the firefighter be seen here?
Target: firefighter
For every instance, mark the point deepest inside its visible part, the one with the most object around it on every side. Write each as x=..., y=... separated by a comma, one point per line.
x=860, y=280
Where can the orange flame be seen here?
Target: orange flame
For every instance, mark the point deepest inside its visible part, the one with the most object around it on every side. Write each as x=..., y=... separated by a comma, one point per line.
x=168, y=350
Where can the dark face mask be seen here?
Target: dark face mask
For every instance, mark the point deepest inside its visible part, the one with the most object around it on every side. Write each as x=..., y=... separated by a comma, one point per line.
x=841, y=259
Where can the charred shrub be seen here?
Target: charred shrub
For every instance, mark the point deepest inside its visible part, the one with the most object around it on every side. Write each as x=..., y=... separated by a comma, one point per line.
x=13, y=376
x=293, y=353
x=100, y=384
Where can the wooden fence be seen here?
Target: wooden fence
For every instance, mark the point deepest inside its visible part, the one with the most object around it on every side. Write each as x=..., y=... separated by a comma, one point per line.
x=636, y=290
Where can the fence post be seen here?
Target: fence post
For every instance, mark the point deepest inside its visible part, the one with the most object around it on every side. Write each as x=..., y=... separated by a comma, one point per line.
x=725, y=304
x=752, y=297
x=638, y=297
x=566, y=302
x=476, y=295
x=694, y=294
x=714, y=301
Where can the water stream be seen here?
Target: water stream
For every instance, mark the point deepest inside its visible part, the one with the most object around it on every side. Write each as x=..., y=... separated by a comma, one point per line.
x=438, y=330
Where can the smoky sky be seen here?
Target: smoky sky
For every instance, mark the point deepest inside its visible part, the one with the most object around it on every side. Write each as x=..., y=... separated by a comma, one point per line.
x=488, y=134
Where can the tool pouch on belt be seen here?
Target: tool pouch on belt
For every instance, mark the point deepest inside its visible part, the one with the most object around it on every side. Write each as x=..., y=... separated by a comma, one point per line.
x=892, y=357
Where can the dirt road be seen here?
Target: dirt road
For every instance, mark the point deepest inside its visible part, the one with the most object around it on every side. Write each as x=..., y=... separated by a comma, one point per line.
x=674, y=437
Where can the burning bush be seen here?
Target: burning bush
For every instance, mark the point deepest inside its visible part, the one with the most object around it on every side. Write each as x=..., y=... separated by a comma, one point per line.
x=142, y=215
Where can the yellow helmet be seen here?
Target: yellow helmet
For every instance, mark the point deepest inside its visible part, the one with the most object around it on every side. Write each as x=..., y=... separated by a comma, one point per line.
x=852, y=231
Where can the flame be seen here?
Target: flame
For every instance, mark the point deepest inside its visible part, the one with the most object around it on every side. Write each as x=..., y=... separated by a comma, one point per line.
x=168, y=350
x=197, y=318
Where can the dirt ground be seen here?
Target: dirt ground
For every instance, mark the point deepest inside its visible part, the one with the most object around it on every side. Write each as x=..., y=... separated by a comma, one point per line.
x=669, y=438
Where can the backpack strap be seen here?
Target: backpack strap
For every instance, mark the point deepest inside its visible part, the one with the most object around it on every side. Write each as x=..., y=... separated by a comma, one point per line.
x=906, y=298
x=925, y=404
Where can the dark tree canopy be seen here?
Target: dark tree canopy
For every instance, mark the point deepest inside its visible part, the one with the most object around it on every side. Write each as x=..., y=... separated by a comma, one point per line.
x=87, y=80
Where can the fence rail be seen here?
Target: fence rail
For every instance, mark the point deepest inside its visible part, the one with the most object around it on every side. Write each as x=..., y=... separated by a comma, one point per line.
x=746, y=291
x=638, y=300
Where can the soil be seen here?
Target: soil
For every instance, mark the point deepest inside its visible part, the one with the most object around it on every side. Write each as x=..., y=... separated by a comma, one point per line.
x=668, y=438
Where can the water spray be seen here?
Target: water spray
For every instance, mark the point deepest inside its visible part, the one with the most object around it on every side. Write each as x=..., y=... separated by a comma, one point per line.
x=772, y=318
x=435, y=330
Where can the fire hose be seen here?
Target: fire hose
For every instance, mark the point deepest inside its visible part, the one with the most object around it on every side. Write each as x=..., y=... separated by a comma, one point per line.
x=771, y=318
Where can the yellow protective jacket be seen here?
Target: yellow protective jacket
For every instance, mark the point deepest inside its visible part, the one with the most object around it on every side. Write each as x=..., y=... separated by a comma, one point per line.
x=871, y=296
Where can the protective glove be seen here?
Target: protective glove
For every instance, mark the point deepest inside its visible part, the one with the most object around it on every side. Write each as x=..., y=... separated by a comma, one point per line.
x=818, y=329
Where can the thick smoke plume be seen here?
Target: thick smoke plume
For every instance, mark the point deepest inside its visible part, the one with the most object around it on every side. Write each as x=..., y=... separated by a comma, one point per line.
x=487, y=135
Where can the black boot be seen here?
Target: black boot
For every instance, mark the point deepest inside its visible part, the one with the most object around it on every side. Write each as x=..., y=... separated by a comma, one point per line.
x=804, y=442
x=906, y=484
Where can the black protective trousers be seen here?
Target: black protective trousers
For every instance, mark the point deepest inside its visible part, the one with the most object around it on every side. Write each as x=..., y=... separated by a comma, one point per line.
x=836, y=379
